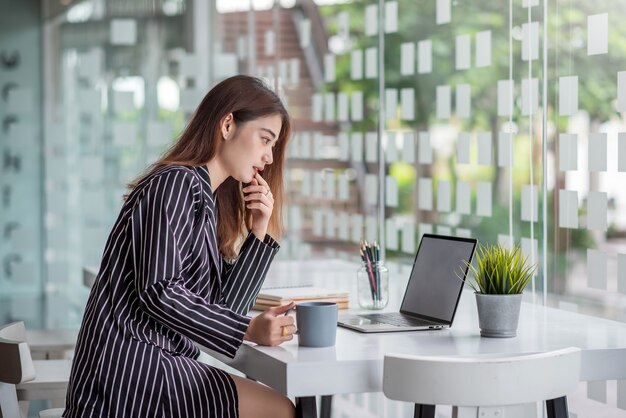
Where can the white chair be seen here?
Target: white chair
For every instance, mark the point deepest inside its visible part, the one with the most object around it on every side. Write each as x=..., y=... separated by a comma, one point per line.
x=482, y=386
x=19, y=379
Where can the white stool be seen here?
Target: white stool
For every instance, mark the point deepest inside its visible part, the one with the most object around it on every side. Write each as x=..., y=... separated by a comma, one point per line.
x=18, y=373
x=481, y=386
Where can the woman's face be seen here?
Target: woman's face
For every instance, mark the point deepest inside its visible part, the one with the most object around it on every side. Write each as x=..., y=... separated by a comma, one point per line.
x=247, y=147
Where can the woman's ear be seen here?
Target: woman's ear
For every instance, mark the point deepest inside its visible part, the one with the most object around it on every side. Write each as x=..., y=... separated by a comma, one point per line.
x=228, y=126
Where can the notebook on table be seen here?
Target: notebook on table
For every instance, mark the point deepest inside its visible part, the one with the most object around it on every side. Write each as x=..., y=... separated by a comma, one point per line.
x=432, y=293
x=270, y=297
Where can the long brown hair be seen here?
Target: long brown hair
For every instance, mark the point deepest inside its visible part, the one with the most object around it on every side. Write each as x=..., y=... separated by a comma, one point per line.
x=247, y=98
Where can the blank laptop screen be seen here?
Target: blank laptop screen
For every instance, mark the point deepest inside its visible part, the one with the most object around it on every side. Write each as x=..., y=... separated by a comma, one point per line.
x=434, y=286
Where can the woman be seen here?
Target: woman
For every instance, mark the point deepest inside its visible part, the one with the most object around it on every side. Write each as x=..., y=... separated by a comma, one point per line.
x=164, y=283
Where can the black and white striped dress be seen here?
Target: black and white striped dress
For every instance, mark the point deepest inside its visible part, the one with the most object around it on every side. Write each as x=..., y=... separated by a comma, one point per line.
x=161, y=287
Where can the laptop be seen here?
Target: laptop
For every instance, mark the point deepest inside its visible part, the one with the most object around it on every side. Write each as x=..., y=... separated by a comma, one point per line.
x=432, y=293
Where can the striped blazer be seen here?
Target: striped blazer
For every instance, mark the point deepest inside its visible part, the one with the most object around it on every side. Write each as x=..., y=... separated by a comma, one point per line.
x=161, y=288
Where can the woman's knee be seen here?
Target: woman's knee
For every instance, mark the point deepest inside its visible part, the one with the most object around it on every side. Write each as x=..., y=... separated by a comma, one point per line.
x=257, y=401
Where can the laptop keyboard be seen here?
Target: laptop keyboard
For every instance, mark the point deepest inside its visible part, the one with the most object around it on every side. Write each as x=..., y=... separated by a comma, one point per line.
x=397, y=319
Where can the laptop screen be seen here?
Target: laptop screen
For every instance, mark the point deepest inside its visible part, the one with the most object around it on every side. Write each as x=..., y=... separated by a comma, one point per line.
x=434, y=287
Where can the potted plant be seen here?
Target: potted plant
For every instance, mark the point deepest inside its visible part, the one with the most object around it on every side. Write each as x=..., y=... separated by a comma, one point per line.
x=498, y=279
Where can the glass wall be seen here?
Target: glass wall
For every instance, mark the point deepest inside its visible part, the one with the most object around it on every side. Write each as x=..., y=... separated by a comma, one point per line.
x=504, y=121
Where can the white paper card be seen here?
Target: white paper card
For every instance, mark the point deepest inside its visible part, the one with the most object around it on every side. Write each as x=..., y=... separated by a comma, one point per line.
x=426, y=193
x=443, y=196
x=621, y=277
x=343, y=223
x=392, y=147
x=443, y=102
x=343, y=25
x=371, y=147
x=342, y=107
x=568, y=209
x=371, y=63
x=597, y=152
x=329, y=230
x=407, y=58
x=329, y=107
x=408, y=147
x=317, y=144
x=305, y=33
x=123, y=101
x=463, y=101
x=391, y=104
x=463, y=52
x=391, y=192
x=344, y=189
x=371, y=20
x=371, y=189
x=443, y=230
x=568, y=152
x=443, y=12
x=391, y=234
x=343, y=140
x=598, y=34
x=530, y=249
x=597, y=205
x=530, y=41
x=425, y=150
x=621, y=152
x=371, y=228
x=123, y=32
x=483, y=49
x=356, y=106
x=318, y=184
x=124, y=134
x=621, y=91
x=483, y=198
x=408, y=238
x=329, y=179
x=356, y=64
x=294, y=72
x=270, y=43
x=463, y=148
x=596, y=269
x=530, y=204
x=505, y=97
x=530, y=96
x=425, y=228
x=306, y=142
x=357, y=146
x=505, y=142
x=357, y=227
x=463, y=197
x=329, y=68
x=317, y=222
x=306, y=189
x=505, y=241
x=568, y=95
x=484, y=148
x=391, y=17
x=407, y=104
x=424, y=57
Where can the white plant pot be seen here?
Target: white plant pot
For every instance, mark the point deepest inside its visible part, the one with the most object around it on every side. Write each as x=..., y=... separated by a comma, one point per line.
x=498, y=315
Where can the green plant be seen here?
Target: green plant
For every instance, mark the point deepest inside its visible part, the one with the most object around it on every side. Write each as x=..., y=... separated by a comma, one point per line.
x=499, y=270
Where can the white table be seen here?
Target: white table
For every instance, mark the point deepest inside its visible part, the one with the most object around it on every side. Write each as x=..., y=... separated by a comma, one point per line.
x=355, y=364
x=51, y=344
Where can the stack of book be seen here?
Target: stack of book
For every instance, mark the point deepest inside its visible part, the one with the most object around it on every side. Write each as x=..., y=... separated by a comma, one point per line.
x=268, y=298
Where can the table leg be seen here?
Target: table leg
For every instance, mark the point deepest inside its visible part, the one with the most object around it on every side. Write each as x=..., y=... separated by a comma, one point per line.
x=424, y=411
x=306, y=407
x=327, y=405
x=557, y=408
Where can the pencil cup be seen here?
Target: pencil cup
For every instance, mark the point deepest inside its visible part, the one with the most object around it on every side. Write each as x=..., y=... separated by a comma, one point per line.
x=373, y=285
